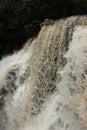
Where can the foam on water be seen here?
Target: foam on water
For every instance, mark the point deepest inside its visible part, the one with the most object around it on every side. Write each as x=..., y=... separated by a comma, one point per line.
x=44, y=85
x=66, y=109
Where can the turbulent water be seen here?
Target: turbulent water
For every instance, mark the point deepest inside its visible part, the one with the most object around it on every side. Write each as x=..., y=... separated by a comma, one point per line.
x=44, y=85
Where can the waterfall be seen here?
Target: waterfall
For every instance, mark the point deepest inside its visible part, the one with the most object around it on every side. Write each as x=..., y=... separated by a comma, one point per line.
x=44, y=85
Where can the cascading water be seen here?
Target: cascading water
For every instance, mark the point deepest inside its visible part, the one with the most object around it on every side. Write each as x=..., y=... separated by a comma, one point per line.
x=43, y=86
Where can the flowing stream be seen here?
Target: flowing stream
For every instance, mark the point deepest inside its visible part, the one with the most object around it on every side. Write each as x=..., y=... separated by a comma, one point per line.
x=44, y=85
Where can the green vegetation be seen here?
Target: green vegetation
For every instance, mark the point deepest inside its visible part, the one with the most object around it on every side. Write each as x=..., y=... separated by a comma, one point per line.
x=20, y=19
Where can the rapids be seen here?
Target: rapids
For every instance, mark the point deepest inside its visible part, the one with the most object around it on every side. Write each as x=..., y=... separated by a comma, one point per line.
x=44, y=85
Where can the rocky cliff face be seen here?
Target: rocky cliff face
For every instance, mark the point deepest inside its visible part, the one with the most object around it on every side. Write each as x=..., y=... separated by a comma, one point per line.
x=43, y=87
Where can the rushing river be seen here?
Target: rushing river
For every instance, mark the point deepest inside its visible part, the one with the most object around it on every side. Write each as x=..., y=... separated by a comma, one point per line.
x=44, y=85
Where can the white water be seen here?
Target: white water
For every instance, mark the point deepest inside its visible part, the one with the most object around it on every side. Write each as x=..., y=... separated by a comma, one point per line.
x=37, y=106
